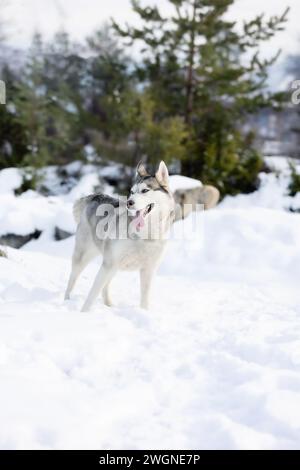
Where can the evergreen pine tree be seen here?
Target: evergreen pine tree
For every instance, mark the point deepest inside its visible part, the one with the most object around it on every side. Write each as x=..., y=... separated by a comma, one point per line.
x=49, y=102
x=199, y=66
x=108, y=82
x=13, y=139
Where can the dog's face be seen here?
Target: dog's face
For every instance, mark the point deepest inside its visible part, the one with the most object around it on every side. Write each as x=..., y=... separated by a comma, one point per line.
x=149, y=193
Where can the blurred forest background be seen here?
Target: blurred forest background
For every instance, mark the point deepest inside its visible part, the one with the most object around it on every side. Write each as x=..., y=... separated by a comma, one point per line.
x=188, y=98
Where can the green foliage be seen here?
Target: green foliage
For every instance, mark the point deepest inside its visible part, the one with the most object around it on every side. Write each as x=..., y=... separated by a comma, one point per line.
x=63, y=101
x=164, y=139
x=108, y=82
x=153, y=138
x=235, y=169
x=13, y=139
x=294, y=186
x=30, y=180
x=3, y=254
x=197, y=66
x=44, y=100
x=13, y=142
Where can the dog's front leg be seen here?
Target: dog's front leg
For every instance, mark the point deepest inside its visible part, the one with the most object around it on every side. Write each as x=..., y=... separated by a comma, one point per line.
x=103, y=277
x=106, y=295
x=146, y=276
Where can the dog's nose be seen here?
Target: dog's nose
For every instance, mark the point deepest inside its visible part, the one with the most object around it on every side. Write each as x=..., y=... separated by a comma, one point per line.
x=130, y=203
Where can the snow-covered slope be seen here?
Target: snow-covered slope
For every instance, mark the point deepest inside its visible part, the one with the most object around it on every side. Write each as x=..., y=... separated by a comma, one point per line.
x=214, y=364
x=273, y=192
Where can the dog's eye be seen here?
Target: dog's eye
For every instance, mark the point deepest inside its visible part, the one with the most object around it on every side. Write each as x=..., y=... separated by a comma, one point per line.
x=145, y=191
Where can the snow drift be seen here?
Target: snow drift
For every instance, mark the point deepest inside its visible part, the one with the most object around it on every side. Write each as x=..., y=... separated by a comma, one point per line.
x=214, y=364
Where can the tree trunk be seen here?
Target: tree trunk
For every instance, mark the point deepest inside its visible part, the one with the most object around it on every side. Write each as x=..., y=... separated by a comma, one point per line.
x=187, y=165
x=190, y=71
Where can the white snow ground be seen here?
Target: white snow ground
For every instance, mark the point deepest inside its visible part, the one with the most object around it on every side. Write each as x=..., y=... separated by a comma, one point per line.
x=215, y=363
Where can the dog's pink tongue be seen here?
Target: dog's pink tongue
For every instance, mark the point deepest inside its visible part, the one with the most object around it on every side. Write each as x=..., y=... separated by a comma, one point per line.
x=139, y=221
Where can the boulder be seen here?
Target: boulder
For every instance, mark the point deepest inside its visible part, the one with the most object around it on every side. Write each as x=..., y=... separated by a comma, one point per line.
x=190, y=193
x=60, y=234
x=17, y=241
x=209, y=196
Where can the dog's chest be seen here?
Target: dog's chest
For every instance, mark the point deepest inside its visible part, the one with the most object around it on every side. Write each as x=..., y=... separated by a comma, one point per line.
x=138, y=254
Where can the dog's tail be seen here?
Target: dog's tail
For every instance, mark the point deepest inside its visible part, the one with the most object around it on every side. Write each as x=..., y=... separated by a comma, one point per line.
x=79, y=206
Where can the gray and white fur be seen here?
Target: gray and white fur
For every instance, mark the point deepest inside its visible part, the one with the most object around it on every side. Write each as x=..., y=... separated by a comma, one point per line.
x=150, y=205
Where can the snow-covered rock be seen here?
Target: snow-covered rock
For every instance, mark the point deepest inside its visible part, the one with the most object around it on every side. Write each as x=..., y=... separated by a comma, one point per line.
x=17, y=241
x=10, y=180
x=186, y=192
x=25, y=216
x=183, y=183
x=190, y=195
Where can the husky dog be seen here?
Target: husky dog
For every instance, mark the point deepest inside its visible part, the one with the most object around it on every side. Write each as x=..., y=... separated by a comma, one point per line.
x=130, y=234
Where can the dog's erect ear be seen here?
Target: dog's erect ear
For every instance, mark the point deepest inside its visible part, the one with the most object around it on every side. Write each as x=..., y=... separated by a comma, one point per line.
x=162, y=174
x=141, y=170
